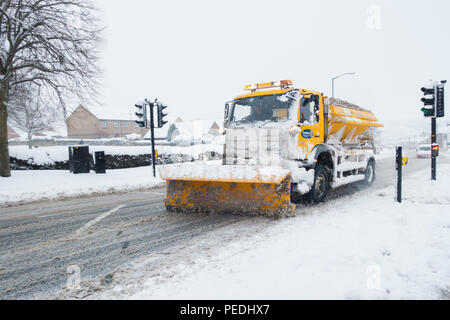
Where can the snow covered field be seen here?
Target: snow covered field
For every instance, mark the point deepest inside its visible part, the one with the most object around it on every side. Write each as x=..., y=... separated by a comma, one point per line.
x=52, y=184
x=361, y=247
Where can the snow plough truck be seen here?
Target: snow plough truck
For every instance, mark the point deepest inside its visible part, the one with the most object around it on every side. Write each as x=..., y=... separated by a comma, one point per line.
x=282, y=145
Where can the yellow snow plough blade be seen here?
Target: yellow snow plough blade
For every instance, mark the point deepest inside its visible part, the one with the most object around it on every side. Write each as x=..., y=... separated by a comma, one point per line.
x=260, y=195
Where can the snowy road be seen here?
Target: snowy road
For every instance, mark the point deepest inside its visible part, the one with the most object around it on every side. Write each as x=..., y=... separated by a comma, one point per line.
x=42, y=244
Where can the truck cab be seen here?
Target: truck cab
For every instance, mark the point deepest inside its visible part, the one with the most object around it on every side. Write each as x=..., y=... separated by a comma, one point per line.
x=296, y=113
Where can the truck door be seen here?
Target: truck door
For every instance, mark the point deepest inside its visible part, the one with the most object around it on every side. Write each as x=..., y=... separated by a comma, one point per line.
x=311, y=122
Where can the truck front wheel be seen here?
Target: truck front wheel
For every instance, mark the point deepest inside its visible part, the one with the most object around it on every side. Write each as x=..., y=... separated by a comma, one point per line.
x=321, y=186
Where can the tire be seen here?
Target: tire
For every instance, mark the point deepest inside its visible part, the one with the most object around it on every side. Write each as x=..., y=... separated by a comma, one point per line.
x=370, y=173
x=296, y=197
x=321, y=185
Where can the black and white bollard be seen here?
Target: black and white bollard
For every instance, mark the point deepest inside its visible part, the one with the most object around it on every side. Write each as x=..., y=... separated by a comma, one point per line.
x=398, y=166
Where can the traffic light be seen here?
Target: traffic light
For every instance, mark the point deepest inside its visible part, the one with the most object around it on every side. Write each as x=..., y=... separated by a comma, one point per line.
x=161, y=114
x=434, y=150
x=142, y=115
x=440, y=108
x=429, y=109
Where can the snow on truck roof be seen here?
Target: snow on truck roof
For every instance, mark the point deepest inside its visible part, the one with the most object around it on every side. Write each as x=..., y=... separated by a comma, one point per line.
x=333, y=101
x=284, y=86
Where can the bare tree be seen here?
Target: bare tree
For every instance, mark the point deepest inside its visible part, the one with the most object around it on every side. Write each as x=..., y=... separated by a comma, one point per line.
x=29, y=111
x=49, y=43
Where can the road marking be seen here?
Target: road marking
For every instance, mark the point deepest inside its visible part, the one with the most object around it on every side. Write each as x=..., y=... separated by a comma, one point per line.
x=50, y=215
x=53, y=215
x=96, y=220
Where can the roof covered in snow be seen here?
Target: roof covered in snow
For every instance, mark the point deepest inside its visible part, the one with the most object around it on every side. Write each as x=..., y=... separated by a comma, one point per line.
x=194, y=129
x=199, y=127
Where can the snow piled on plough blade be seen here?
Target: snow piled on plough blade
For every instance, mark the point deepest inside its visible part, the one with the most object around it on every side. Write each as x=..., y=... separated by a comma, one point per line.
x=228, y=189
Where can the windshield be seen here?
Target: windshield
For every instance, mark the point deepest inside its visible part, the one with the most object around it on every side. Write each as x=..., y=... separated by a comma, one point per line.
x=265, y=108
x=425, y=148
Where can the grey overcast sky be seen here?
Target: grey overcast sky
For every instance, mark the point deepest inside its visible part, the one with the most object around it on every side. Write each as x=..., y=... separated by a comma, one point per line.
x=195, y=55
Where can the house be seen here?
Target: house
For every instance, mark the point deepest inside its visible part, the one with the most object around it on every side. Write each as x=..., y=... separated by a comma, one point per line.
x=86, y=123
x=215, y=129
x=12, y=134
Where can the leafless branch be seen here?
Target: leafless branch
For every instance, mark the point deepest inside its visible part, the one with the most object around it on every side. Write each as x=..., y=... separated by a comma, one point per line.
x=46, y=44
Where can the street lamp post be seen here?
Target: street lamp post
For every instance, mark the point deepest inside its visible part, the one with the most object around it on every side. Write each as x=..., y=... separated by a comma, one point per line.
x=332, y=80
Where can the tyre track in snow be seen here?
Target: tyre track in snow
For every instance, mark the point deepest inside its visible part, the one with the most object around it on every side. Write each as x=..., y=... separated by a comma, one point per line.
x=37, y=248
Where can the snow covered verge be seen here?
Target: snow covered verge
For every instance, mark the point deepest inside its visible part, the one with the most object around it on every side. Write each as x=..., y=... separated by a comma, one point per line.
x=29, y=186
x=364, y=246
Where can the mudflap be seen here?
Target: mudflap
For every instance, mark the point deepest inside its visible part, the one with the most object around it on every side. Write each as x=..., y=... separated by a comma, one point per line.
x=230, y=197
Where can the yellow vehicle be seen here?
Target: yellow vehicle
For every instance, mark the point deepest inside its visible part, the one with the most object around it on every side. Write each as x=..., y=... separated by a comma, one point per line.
x=281, y=145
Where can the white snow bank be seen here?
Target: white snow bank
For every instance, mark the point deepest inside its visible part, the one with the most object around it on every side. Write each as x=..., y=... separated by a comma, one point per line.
x=363, y=247
x=35, y=185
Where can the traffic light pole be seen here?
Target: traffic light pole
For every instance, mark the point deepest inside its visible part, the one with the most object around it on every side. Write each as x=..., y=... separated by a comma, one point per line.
x=433, y=141
x=152, y=129
x=434, y=107
x=143, y=122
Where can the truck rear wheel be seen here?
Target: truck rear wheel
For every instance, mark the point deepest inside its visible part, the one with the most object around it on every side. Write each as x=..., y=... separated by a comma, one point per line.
x=321, y=186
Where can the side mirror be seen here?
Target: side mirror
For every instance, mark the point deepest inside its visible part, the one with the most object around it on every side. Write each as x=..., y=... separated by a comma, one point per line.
x=316, y=100
x=227, y=112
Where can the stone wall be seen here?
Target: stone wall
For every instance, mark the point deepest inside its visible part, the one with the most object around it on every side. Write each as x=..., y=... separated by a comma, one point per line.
x=112, y=162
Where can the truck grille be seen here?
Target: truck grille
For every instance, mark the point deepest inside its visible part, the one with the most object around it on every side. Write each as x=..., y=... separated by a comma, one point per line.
x=253, y=147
